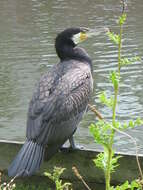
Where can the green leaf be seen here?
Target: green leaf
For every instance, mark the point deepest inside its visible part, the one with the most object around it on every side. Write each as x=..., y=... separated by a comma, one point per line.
x=126, y=186
x=117, y=125
x=104, y=100
x=114, y=162
x=55, y=176
x=132, y=124
x=135, y=185
x=138, y=122
x=124, y=126
x=115, y=78
x=122, y=19
x=66, y=185
x=100, y=161
x=126, y=61
x=49, y=175
x=115, y=38
x=101, y=132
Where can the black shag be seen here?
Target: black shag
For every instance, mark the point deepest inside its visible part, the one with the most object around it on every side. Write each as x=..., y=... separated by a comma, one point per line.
x=57, y=105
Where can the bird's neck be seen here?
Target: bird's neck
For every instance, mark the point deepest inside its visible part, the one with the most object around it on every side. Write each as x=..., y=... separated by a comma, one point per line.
x=77, y=53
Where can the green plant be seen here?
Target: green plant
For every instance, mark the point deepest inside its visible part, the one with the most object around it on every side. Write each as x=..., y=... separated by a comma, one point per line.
x=126, y=186
x=104, y=131
x=55, y=177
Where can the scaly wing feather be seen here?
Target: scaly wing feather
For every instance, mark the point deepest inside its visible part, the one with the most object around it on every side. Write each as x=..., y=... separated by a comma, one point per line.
x=61, y=106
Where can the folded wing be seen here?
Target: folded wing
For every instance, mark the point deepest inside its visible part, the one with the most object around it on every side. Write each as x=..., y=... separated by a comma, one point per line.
x=59, y=103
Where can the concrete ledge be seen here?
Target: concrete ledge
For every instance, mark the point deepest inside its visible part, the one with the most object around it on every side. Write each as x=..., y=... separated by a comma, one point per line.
x=82, y=159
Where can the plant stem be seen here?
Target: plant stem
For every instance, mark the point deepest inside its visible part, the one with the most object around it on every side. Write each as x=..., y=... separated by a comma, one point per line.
x=110, y=152
x=76, y=172
x=108, y=169
x=114, y=107
x=119, y=49
x=116, y=91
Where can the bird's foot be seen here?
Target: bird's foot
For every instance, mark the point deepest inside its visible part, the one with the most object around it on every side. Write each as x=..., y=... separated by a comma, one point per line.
x=73, y=146
x=76, y=147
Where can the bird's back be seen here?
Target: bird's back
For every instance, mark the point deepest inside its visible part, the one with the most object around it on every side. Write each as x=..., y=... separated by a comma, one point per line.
x=60, y=99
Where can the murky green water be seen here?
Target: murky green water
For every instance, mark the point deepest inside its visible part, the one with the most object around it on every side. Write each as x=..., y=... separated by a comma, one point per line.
x=27, y=33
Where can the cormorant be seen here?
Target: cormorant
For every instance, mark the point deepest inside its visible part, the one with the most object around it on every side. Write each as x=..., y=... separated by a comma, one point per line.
x=58, y=103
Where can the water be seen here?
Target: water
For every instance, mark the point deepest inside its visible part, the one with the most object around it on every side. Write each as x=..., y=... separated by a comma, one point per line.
x=27, y=33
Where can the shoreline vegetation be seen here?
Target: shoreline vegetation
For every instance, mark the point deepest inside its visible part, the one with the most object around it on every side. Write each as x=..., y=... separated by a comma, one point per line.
x=103, y=131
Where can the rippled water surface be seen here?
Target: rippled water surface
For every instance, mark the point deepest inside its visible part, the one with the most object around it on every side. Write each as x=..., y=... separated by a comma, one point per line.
x=27, y=33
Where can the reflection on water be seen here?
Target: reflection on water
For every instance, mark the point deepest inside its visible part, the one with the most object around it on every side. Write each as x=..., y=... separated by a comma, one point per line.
x=27, y=33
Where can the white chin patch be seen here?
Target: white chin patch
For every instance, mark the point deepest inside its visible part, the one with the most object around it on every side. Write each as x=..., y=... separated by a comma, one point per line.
x=76, y=38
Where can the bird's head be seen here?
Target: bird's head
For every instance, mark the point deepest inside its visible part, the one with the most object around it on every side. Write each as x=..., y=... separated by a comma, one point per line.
x=72, y=36
x=68, y=39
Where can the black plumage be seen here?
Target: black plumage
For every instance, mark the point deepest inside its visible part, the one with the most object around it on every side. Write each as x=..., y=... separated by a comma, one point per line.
x=57, y=105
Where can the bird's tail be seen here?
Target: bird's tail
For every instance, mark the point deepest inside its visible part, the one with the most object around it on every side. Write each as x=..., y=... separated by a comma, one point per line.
x=27, y=161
